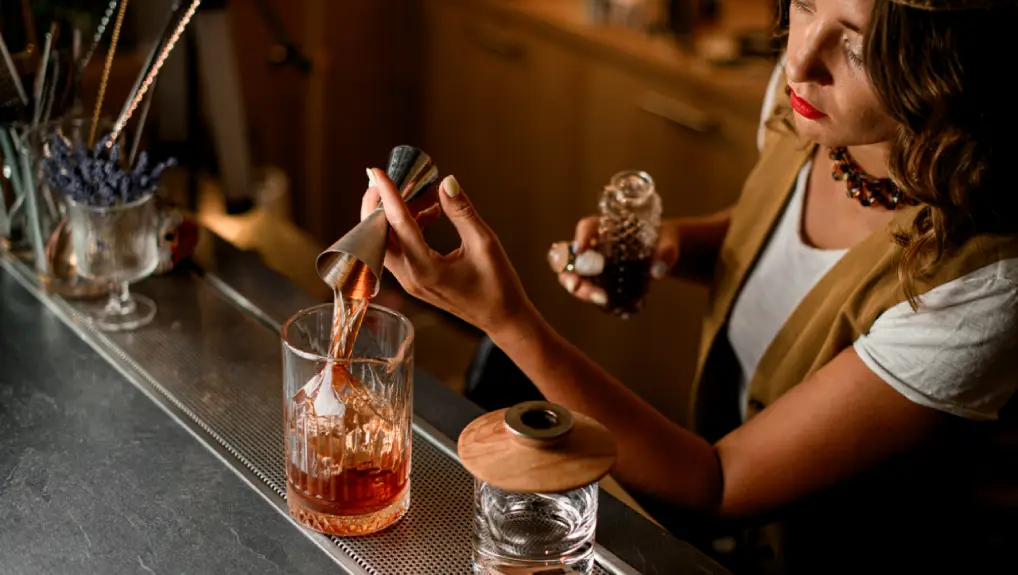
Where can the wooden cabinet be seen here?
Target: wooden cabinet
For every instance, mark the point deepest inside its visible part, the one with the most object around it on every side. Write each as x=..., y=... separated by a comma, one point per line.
x=501, y=116
x=534, y=127
x=359, y=99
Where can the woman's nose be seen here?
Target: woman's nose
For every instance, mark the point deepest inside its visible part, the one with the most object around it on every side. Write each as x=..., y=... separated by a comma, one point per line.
x=806, y=62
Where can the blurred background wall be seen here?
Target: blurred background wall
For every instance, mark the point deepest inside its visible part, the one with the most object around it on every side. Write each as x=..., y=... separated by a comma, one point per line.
x=275, y=107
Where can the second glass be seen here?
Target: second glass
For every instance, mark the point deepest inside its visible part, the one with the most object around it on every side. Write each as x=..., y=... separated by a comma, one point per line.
x=117, y=245
x=348, y=422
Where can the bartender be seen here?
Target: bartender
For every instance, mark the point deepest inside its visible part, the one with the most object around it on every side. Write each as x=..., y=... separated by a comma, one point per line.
x=858, y=355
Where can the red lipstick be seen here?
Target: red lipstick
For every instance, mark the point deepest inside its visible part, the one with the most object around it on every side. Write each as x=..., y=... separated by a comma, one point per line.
x=804, y=108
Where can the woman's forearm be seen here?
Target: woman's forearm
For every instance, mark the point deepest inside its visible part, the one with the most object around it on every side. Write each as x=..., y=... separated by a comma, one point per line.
x=656, y=456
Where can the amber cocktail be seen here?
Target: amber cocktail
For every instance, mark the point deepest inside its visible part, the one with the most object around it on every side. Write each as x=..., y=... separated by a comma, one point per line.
x=348, y=420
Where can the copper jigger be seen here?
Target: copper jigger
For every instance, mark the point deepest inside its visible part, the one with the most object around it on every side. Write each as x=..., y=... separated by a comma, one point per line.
x=353, y=264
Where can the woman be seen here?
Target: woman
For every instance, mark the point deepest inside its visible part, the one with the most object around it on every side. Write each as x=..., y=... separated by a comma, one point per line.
x=858, y=351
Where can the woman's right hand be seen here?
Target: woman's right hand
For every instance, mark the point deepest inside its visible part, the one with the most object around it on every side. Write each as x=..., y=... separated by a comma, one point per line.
x=475, y=282
x=581, y=286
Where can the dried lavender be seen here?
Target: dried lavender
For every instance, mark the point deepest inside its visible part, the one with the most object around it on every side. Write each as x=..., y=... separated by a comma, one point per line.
x=96, y=178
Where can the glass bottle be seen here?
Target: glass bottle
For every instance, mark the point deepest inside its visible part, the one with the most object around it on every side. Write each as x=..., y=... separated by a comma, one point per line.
x=630, y=220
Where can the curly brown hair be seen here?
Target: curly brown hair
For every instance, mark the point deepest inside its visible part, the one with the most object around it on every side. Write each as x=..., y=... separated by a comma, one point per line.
x=941, y=76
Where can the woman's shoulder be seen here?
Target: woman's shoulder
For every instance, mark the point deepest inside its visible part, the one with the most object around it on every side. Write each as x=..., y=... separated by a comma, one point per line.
x=978, y=258
x=995, y=280
x=958, y=352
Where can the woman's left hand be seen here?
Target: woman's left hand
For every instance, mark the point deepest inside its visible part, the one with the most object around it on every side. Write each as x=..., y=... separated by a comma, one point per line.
x=474, y=282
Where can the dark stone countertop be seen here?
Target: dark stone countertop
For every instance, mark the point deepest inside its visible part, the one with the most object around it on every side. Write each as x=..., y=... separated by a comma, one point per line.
x=95, y=478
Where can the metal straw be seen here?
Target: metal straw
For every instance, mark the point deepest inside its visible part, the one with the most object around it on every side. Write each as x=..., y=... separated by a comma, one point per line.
x=40, y=77
x=32, y=210
x=99, y=31
x=52, y=92
x=75, y=44
x=15, y=77
x=106, y=73
x=11, y=153
x=141, y=127
x=160, y=51
x=5, y=220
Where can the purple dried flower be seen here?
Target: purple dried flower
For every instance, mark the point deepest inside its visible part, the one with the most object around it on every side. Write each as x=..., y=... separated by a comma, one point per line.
x=140, y=165
x=97, y=178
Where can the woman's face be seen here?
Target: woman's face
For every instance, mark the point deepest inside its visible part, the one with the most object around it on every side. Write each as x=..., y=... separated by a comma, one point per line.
x=831, y=94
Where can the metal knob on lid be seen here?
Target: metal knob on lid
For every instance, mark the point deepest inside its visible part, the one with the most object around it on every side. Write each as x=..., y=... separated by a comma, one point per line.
x=353, y=264
x=539, y=423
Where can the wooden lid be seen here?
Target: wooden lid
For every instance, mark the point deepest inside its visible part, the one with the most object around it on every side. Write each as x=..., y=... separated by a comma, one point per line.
x=537, y=447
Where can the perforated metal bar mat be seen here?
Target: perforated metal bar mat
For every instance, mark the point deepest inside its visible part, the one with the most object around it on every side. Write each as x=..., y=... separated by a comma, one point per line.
x=217, y=369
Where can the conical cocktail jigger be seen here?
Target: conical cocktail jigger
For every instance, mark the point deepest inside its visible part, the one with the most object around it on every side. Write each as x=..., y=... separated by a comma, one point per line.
x=353, y=265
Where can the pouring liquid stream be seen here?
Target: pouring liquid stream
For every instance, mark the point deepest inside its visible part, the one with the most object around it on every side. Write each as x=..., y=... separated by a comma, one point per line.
x=347, y=317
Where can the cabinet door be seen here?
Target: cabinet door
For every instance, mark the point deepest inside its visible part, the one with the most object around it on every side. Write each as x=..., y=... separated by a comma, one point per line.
x=533, y=130
x=698, y=157
x=503, y=117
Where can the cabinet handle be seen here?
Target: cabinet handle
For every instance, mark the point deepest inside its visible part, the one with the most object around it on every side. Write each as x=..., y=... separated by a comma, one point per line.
x=679, y=113
x=500, y=48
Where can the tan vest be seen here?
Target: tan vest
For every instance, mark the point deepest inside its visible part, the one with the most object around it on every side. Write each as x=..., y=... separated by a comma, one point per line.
x=839, y=308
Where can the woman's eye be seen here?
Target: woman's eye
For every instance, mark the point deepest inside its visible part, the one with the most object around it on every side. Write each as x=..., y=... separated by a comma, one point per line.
x=801, y=6
x=853, y=56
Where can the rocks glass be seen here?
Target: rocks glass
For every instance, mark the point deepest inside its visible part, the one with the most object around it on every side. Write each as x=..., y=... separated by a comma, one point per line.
x=536, y=467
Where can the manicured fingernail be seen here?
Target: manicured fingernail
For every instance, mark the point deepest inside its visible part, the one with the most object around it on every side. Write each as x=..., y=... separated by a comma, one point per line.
x=589, y=263
x=576, y=247
x=599, y=297
x=570, y=284
x=371, y=176
x=451, y=186
x=659, y=270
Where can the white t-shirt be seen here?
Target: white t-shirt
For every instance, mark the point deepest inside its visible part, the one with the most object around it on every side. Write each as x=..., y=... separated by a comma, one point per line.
x=958, y=353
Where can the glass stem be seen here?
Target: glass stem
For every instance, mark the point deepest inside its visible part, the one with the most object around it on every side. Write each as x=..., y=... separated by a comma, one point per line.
x=120, y=302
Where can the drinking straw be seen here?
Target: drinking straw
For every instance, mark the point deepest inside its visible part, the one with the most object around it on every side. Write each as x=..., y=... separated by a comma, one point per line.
x=140, y=128
x=5, y=220
x=106, y=73
x=98, y=36
x=51, y=94
x=40, y=76
x=15, y=77
x=160, y=51
x=32, y=215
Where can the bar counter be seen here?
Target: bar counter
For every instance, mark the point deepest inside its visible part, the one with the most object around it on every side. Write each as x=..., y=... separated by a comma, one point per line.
x=160, y=450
